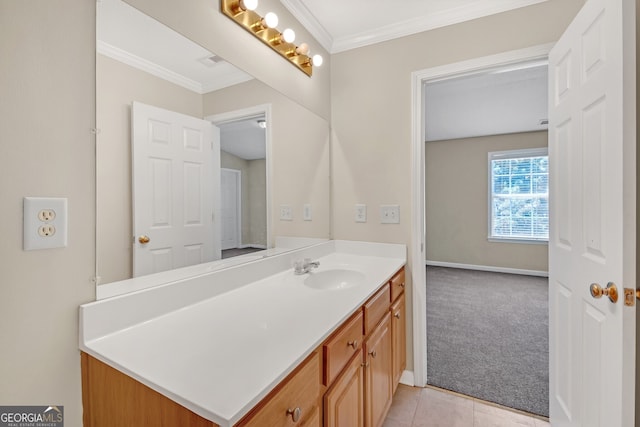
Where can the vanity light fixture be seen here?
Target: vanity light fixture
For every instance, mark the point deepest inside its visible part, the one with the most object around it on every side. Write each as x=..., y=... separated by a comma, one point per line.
x=264, y=28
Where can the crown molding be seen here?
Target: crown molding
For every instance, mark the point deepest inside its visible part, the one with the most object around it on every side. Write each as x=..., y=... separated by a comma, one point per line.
x=309, y=22
x=400, y=29
x=142, y=64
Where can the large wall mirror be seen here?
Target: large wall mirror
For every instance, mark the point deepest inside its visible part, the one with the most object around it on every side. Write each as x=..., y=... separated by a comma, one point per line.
x=272, y=153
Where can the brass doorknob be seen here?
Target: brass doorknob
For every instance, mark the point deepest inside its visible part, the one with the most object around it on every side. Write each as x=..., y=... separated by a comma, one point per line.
x=610, y=291
x=144, y=239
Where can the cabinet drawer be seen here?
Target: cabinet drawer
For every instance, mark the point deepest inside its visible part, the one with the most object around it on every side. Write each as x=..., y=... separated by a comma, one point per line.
x=341, y=347
x=298, y=393
x=397, y=284
x=376, y=307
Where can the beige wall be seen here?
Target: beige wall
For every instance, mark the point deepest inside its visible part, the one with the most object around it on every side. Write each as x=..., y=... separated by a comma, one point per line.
x=371, y=110
x=117, y=86
x=299, y=156
x=456, y=175
x=258, y=202
x=254, y=197
x=47, y=111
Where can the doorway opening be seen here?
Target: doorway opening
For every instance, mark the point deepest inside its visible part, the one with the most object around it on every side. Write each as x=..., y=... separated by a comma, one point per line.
x=244, y=162
x=420, y=249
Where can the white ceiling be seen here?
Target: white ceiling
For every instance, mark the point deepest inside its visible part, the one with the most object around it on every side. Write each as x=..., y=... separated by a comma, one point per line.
x=130, y=36
x=494, y=102
x=244, y=138
x=341, y=25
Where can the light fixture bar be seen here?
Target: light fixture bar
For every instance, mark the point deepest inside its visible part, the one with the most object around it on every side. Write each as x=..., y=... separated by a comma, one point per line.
x=248, y=19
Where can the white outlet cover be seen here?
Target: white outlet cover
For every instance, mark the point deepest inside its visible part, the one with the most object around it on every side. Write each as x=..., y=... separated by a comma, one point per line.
x=44, y=234
x=390, y=214
x=286, y=213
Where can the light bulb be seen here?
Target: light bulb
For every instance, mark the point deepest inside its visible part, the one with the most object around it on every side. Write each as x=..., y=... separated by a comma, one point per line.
x=317, y=60
x=270, y=20
x=249, y=4
x=289, y=35
x=303, y=49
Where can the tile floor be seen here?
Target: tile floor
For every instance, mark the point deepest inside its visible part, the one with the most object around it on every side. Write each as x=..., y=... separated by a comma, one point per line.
x=429, y=407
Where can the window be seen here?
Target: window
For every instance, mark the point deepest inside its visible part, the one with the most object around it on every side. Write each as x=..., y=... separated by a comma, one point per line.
x=519, y=195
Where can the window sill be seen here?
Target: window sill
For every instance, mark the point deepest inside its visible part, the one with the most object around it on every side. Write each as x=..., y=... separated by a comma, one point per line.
x=521, y=241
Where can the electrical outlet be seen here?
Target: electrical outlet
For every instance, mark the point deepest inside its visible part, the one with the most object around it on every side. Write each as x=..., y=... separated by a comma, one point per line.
x=47, y=215
x=286, y=213
x=46, y=230
x=389, y=214
x=306, y=212
x=45, y=223
x=361, y=213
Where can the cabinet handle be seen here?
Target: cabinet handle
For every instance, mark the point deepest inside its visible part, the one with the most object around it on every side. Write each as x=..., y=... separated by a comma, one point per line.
x=402, y=285
x=397, y=315
x=353, y=344
x=295, y=413
x=373, y=353
x=365, y=364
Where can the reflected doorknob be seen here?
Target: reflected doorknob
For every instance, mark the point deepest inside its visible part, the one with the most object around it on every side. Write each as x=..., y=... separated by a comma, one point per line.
x=144, y=239
x=610, y=291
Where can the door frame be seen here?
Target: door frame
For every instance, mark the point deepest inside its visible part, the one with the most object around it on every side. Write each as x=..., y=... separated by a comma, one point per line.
x=238, y=175
x=246, y=113
x=418, y=228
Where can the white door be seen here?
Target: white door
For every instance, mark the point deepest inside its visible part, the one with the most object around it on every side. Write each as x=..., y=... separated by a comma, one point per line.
x=230, y=202
x=592, y=239
x=176, y=170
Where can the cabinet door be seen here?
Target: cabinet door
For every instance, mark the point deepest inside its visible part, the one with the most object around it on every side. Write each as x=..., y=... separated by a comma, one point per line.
x=378, y=373
x=344, y=402
x=399, y=337
x=293, y=401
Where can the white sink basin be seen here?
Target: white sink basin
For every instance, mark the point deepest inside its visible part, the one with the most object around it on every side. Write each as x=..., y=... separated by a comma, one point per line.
x=334, y=279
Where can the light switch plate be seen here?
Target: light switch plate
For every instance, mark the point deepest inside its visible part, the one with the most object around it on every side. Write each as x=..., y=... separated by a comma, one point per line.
x=390, y=214
x=44, y=223
x=306, y=212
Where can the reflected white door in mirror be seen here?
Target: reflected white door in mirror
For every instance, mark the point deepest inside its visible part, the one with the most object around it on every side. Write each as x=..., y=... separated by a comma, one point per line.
x=176, y=190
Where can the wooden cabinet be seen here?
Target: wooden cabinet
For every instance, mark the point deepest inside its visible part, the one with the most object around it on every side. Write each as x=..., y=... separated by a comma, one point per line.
x=342, y=346
x=113, y=399
x=293, y=403
x=376, y=307
x=399, y=337
x=378, y=373
x=346, y=382
x=360, y=394
x=344, y=402
x=397, y=284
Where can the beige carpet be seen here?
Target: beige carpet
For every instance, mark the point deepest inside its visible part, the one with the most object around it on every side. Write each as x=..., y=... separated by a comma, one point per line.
x=487, y=336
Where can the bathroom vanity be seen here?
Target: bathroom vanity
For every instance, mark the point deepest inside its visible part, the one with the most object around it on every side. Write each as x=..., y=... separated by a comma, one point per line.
x=253, y=345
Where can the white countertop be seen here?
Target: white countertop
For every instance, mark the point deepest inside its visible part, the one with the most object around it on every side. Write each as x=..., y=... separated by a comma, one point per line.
x=220, y=355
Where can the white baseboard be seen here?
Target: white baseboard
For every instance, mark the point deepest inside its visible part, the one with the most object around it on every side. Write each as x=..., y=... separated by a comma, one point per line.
x=250, y=245
x=488, y=268
x=407, y=378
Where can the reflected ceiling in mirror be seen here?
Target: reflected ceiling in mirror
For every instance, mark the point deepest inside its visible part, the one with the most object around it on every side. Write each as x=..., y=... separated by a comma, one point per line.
x=128, y=35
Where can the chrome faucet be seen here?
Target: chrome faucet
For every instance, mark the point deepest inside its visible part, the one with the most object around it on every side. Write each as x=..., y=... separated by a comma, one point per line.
x=305, y=266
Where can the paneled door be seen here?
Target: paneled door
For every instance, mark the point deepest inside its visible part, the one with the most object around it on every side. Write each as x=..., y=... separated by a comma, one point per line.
x=176, y=181
x=592, y=234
